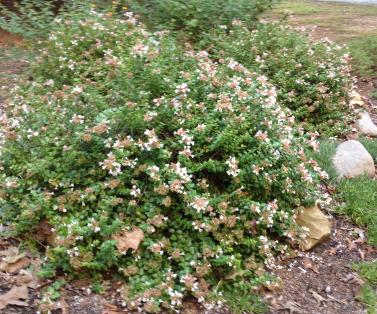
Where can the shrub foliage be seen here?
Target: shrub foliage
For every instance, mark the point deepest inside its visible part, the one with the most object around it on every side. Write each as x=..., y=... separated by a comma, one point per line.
x=312, y=78
x=28, y=18
x=179, y=172
x=196, y=18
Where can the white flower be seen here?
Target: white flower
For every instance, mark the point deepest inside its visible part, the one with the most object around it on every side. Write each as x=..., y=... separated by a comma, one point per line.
x=200, y=204
x=77, y=90
x=135, y=192
x=153, y=172
x=233, y=167
x=77, y=119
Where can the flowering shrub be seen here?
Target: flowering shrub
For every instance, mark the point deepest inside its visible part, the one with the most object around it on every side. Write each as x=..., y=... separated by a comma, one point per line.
x=196, y=18
x=29, y=18
x=126, y=153
x=312, y=78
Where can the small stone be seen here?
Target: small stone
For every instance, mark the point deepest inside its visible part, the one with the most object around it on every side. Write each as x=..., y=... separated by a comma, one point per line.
x=318, y=225
x=328, y=289
x=352, y=159
x=366, y=125
x=356, y=99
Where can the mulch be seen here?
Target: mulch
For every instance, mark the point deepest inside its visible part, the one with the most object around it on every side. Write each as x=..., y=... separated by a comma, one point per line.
x=322, y=280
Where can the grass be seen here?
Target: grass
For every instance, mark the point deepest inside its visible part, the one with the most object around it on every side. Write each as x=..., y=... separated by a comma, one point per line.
x=374, y=95
x=368, y=271
x=360, y=203
x=368, y=295
x=371, y=147
x=324, y=157
x=364, y=53
x=240, y=302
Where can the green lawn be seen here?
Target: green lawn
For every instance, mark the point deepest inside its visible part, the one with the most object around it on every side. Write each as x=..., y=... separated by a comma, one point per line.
x=368, y=296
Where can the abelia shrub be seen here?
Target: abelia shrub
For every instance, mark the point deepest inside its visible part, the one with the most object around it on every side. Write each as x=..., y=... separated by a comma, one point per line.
x=180, y=173
x=196, y=19
x=312, y=77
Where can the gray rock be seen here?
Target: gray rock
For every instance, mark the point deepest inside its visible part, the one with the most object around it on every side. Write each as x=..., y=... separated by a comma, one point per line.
x=352, y=159
x=366, y=125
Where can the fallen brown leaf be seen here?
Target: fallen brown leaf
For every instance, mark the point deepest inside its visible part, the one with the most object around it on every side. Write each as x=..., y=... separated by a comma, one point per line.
x=274, y=303
x=13, y=297
x=25, y=278
x=111, y=309
x=64, y=306
x=44, y=233
x=354, y=136
x=369, y=249
x=331, y=298
x=13, y=258
x=320, y=299
x=331, y=189
x=332, y=251
x=14, y=267
x=292, y=307
x=353, y=278
x=11, y=251
x=4, y=242
x=309, y=264
x=13, y=261
x=128, y=239
x=362, y=254
x=351, y=245
x=6, y=277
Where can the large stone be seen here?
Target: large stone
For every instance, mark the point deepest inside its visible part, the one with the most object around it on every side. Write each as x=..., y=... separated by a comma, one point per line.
x=352, y=159
x=366, y=125
x=318, y=225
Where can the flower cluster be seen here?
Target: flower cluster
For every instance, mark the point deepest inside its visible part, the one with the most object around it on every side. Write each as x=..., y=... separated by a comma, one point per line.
x=163, y=164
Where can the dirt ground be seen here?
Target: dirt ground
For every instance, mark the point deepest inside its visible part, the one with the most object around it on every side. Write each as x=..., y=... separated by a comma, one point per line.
x=10, y=66
x=340, y=22
x=322, y=280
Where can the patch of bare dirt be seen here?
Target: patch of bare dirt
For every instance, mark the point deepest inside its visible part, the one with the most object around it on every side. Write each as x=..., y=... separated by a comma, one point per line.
x=365, y=87
x=322, y=280
x=10, y=68
x=7, y=39
x=362, y=24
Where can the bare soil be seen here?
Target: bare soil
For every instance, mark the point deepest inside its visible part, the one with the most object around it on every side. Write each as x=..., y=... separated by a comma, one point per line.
x=322, y=280
x=10, y=68
x=340, y=22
